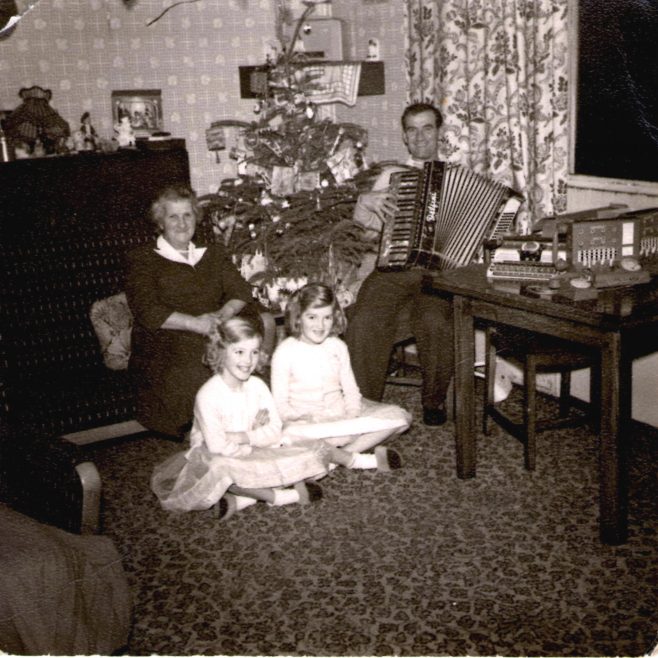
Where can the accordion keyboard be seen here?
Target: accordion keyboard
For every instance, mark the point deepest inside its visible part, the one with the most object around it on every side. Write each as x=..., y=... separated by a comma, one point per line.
x=398, y=235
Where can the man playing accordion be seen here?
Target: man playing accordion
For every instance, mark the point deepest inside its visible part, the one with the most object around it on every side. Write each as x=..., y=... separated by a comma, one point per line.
x=383, y=296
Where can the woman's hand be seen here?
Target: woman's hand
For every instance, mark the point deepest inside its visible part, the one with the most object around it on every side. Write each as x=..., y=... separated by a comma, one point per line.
x=231, y=308
x=200, y=324
x=204, y=324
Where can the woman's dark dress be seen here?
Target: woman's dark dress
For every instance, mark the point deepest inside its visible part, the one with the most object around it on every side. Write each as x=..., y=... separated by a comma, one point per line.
x=168, y=363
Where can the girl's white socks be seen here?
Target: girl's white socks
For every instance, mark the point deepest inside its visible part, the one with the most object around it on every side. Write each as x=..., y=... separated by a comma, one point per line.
x=241, y=502
x=383, y=459
x=364, y=460
x=285, y=497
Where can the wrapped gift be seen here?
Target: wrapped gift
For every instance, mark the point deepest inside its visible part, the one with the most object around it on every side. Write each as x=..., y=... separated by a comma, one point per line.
x=283, y=181
x=307, y=181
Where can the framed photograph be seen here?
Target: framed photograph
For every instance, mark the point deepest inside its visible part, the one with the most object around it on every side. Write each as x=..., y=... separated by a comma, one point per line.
x=142, y=106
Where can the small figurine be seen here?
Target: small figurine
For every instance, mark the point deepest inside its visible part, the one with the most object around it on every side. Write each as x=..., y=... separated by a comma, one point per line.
x=39, y=150
x=125, y=132
x=88, y=131
x=22, y=150
x=373, y=50
x=78, y=139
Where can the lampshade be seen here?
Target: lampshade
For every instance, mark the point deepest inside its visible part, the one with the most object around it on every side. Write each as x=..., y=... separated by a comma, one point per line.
x=34, y=119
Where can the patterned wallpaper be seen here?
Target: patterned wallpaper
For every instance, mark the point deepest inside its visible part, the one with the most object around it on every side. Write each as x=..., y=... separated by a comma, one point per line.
x=84, y=49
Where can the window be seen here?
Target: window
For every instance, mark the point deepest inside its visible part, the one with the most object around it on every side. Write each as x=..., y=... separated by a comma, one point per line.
x=615, y=93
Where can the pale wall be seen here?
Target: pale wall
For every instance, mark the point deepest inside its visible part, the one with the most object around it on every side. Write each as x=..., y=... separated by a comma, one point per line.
x=379, y=114
x=84, y=49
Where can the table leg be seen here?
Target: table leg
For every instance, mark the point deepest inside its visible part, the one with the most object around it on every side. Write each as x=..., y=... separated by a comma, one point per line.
x=615, y=396
x=464, y=343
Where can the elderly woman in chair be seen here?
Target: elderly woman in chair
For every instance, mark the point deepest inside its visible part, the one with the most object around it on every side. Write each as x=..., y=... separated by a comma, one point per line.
x=177, y=292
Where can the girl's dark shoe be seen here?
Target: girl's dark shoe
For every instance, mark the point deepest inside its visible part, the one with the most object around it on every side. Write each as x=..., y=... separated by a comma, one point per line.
x=226, y=507
x=387, y=459
x=309, y=492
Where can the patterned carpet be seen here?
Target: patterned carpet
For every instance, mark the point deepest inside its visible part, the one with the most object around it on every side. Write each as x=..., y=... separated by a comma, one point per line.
x=414, y=562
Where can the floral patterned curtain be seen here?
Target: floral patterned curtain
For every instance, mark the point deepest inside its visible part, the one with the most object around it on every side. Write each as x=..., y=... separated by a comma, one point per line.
x=498, y=71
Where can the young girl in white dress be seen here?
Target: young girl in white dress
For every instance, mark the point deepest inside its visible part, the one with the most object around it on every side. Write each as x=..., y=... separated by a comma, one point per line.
x=237, y=454
x=313, y=385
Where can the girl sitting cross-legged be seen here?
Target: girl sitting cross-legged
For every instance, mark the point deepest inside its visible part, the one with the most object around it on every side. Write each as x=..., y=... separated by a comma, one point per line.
x=313, y=385
x=237, y=456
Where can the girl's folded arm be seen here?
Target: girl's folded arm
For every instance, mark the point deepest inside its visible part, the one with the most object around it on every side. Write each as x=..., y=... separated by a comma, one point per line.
x=207, y=418
x=269, y=433
x=264, y=436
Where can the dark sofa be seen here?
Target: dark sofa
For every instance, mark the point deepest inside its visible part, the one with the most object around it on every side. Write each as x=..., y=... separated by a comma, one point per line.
x=67, y=223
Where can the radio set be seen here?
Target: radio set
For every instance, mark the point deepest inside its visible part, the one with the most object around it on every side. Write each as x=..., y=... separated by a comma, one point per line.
x=606, y=247
x=523, y=257
x=610, y=241
x=320, y=39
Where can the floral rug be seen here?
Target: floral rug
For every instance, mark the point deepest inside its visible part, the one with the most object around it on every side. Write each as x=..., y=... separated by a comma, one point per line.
x=413, y=562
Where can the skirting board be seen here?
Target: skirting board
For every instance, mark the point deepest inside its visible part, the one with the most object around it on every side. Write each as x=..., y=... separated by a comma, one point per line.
x=104, y=433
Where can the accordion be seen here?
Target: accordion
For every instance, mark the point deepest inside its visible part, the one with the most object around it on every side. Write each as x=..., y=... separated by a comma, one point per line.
x=445, y=212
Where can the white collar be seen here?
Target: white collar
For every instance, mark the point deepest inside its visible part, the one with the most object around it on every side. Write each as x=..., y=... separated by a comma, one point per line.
x=193, y=256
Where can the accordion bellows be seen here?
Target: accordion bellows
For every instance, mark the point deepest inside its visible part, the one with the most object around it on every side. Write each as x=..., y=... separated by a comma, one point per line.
x=445, y=212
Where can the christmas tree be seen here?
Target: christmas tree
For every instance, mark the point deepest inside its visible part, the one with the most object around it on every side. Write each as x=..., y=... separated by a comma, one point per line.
x=298, y=180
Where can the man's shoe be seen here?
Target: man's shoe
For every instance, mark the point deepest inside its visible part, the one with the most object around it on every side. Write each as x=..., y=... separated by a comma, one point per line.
x=434, y=417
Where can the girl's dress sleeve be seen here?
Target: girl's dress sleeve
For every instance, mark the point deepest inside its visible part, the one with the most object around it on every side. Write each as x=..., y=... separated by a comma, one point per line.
x=269, y=434
x=351, y=392
x=207, y=420
x=280, y=380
